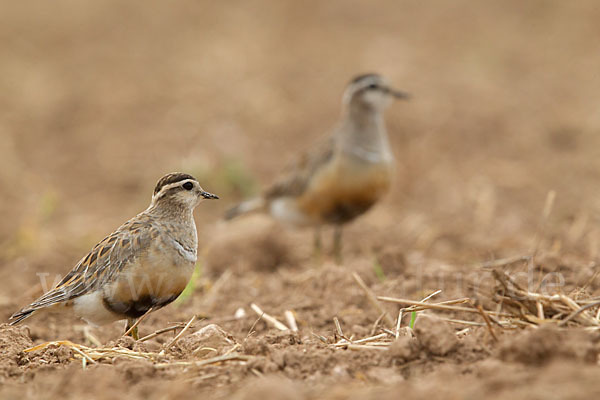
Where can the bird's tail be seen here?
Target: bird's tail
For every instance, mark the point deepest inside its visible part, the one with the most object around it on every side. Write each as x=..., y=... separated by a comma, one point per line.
x=249, y=206
x=20, y=316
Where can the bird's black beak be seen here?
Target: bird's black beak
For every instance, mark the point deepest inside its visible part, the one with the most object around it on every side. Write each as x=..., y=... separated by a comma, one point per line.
x=397, y=93
x=207, y=195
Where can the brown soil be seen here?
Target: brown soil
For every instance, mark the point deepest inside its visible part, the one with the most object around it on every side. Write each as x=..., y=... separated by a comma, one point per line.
x=100, y=100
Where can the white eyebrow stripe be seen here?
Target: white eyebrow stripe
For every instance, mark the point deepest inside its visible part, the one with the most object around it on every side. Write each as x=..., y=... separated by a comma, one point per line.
x=365, y=82
x=170, y=186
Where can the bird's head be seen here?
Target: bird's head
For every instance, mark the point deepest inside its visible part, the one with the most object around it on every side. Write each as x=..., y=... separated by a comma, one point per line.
x=371, y=91
x=179, y=189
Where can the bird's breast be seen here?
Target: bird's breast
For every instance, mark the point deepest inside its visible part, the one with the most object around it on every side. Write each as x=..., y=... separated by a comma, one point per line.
x=345, y=189
x=152, y=281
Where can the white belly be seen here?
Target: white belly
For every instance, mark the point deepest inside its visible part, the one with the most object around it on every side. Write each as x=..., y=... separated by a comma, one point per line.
x=92, y=310
x=285, y=209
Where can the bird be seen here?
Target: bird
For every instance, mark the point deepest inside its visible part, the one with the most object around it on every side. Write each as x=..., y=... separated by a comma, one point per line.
x=340, y=177
x=142, y=266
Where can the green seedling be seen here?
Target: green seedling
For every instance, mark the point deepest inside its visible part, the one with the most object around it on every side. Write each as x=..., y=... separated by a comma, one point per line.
x=378, y=269
x=413, y=318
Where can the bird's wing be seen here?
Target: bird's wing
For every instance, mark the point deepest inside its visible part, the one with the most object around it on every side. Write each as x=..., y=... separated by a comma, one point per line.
x=297, y=177
x=99, y=266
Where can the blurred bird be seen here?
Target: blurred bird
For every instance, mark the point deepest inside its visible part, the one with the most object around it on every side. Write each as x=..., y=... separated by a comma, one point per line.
x=144, y=265
x=342, y=177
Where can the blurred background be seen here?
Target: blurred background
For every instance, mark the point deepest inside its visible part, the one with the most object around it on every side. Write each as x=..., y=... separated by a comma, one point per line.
x=100, y=99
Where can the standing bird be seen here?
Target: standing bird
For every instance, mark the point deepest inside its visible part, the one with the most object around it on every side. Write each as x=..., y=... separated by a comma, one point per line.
x=144, y=265
x=340, y=179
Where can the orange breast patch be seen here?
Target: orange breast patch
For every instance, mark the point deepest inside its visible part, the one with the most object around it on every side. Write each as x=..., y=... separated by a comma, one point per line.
x=344, y=190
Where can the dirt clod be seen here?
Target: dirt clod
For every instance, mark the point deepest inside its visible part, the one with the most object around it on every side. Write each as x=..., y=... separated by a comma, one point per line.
x=12, y=342
x=255, y=346
x=404, y=349
x=135, y=370
x=126, y=342
x=540, y=346
x=435, y=335
x=211, y=339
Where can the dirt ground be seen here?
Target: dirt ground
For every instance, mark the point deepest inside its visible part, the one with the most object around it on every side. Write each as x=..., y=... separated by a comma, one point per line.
x=498, y=156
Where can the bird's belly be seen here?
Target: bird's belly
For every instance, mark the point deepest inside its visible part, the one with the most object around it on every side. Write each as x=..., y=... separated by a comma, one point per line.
x=344, y=191
x=142, y=287
x=286, y=210
x=91, y=308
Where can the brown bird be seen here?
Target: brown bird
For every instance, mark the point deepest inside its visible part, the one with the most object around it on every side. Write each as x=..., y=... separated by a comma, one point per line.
x=144, y=265
x=341, y=178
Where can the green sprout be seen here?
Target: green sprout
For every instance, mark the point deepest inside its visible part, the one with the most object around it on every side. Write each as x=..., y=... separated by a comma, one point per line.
x=378, y=269
x=413, y=318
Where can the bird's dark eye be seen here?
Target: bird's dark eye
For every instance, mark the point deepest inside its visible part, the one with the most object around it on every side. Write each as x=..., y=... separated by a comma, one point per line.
x=372, y=86
x=188, y=186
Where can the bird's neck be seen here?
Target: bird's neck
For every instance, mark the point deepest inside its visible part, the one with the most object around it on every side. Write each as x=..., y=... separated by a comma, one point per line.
x=178, y=221
x=171, y=212
x=362, y=133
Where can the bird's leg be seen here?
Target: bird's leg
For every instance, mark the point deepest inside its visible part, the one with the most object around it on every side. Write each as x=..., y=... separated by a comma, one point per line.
x=337, y=244
x=134, y=331
x=317, y=245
